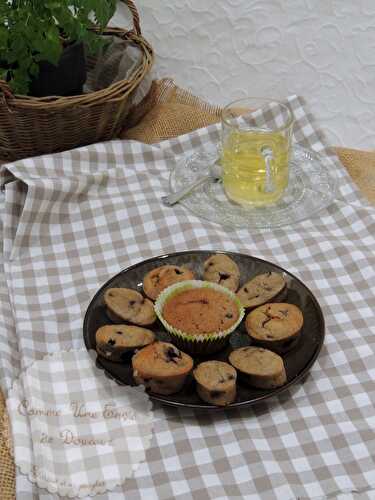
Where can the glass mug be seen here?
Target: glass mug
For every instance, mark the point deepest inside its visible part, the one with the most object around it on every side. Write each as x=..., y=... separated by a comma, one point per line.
x=256, y=147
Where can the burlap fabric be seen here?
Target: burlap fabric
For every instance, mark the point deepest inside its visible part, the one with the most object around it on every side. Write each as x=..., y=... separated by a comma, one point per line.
x=361, y=167
x=170, y=112
x=7, y=480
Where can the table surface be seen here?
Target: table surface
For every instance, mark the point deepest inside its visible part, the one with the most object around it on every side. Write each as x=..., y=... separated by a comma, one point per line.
x=361, y=166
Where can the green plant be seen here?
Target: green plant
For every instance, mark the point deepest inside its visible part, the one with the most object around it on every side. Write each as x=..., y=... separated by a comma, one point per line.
x=32, y=31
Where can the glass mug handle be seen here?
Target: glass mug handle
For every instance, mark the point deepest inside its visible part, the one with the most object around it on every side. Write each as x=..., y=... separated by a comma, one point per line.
x=267, y=154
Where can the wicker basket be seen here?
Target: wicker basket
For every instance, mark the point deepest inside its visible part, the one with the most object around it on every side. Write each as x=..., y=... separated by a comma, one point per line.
x=31, y=126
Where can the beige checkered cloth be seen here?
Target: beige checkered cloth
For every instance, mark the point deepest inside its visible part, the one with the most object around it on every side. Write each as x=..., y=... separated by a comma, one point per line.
x=63, y=236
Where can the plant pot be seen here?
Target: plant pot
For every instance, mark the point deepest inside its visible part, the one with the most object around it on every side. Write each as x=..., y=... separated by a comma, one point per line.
x=67, y=78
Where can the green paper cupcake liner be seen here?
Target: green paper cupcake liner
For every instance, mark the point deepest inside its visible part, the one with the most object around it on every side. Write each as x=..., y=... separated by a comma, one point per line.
x=202, y=344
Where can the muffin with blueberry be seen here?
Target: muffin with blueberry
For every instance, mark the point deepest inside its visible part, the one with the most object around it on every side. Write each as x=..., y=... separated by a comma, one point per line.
x=161, y=277
x=161, y=367
x=216, y=382
x=115, y=342
x=200, y=316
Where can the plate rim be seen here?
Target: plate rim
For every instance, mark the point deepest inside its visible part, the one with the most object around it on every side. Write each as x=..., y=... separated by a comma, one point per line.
x=205, y=406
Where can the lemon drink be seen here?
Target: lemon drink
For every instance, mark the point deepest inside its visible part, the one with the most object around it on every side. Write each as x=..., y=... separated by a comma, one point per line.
x=244, y=167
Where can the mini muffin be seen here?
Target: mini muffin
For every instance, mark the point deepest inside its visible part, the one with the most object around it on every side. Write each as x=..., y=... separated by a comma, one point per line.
x=262, y=289
x=276, y=326
x=124, y=304
x=161, y=367
x=221, y=269
x=199, y=315
x=113, y=342
x=259, y=367
x=216, y=382
x=160, y=278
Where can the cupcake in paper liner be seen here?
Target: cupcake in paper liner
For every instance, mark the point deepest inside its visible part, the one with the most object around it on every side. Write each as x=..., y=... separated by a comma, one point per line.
x=199, y=315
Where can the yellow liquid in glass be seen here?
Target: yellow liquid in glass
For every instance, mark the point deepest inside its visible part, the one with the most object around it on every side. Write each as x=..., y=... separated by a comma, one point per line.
x=244, y=167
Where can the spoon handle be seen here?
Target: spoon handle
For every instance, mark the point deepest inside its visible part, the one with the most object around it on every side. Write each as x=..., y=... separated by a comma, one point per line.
x=268, y=159
x=175, y=197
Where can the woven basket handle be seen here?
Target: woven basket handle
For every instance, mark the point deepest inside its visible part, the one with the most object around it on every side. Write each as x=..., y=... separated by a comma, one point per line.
x=134, y=12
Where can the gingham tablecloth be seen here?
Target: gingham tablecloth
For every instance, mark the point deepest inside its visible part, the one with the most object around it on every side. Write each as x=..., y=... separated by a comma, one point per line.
x=72, y=220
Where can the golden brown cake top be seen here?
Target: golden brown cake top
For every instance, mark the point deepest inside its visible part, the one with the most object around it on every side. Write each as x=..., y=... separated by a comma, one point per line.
x=200, y=311
x=261, y=289
x=215, y=375
x=274, y=321
x=256, y=361
x=161, y=359
x=162, y=277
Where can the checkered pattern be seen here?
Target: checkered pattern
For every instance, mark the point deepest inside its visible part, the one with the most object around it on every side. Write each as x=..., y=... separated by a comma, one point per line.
x=72, y=220
x=63, y=387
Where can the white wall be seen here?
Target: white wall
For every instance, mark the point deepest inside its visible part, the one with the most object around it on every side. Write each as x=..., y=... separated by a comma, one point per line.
x=226, y=49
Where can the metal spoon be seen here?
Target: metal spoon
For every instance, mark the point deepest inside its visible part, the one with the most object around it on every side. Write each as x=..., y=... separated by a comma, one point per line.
x=215, y=173
x=268, y=158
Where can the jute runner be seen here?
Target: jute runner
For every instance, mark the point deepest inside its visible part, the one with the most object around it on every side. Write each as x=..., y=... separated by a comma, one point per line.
x=7, y=468
x=172, y=111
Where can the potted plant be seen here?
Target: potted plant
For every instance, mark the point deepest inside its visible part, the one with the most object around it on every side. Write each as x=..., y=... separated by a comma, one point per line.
x=42, y=43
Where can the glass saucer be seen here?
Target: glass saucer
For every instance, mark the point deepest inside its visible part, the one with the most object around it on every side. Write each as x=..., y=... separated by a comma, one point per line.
x=312, y=187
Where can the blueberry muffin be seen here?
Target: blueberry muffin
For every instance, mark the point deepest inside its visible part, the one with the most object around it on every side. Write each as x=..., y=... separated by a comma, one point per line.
x=124, y=304
x=114, y=342
x=160, y=278
x=259, y=367
x=276, y=326
x=200, y=311
x=216, y=382
x=221, y=269
x=161, y=367
x=263, y=288
x=199, y=315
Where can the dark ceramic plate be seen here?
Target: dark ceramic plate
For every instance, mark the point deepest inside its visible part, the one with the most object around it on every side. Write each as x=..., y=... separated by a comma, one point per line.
x=298, y=361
